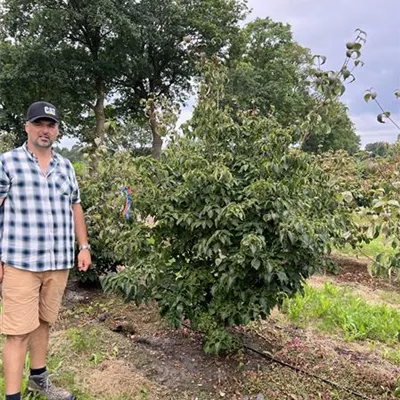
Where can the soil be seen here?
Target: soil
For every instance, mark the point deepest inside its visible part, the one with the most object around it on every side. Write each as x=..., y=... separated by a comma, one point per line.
x=170, y=364
x=356, y=270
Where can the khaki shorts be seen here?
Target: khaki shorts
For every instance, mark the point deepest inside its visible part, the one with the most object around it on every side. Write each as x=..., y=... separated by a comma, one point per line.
x=29, y=297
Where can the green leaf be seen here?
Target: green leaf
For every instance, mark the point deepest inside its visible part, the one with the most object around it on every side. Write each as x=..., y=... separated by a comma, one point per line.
x=346, y=73
x=255, y=263
x=282, y=277
x=320, y=59
x=381, y=117
x=347, y=197
x=379, y=204
x=367, y=97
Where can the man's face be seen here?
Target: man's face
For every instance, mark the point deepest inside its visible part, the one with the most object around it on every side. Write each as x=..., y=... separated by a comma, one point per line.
x=42, y=133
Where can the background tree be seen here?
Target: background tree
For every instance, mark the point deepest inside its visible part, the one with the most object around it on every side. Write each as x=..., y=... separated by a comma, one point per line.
x=74, y=154
x=133, y=136
x=20, y=85
x=7, y=141
x=378, y=148
x=271, y=73
x=82, y=54
x=163, y=61
x=336, y=131
x=65, y=52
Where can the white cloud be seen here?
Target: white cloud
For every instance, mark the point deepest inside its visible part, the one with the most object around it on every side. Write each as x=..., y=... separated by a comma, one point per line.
x=370, y=130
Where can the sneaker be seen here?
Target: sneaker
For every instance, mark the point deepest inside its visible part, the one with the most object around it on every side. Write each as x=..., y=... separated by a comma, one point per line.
x=42, y=384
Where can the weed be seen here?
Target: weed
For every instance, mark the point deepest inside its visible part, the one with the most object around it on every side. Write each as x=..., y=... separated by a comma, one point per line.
x=392, y=355
x=96, y=358
x=337, y=309
x=83, y=340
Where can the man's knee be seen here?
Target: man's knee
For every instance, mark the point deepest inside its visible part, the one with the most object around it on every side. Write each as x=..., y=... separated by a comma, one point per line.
x=16, y=340
x=44, y=324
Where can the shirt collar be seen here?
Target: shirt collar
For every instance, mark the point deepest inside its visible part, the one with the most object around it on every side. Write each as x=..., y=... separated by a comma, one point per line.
x=54, y=155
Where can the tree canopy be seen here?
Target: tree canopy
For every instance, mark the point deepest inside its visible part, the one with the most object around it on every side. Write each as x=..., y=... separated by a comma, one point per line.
x=272, y=74
x=378, y=148
x=337, y=132
x=269, y=71
x=85, y=54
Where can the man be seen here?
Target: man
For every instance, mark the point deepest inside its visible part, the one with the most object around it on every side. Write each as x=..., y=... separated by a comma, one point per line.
x=40, y=213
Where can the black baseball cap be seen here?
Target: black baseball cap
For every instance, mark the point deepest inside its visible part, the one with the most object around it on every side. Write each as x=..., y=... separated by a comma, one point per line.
x=42, y=109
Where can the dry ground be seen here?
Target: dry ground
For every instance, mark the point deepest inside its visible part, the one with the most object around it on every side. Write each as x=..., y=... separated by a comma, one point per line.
x=105, y=349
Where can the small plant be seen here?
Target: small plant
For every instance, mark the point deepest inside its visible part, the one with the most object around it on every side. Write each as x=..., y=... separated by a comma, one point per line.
x=82, y=340
x=397, y=390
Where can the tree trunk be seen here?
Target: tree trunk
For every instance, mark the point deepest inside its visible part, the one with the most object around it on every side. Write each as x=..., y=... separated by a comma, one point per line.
x=99, y=112
x=157, y=139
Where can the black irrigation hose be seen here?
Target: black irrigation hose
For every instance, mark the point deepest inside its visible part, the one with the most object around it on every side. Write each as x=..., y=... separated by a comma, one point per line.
x=296, y=369
x=302, y=371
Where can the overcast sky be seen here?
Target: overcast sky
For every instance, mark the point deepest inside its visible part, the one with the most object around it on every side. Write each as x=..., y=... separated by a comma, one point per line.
x=324, y=26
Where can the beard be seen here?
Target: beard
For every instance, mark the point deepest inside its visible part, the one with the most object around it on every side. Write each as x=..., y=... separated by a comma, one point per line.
x=44, y=142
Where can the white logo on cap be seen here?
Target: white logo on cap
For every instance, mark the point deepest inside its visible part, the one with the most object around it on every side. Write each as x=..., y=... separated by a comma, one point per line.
x=50, y=110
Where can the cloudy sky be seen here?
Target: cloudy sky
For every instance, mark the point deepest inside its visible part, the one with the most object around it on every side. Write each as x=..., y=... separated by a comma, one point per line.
x=325, y=26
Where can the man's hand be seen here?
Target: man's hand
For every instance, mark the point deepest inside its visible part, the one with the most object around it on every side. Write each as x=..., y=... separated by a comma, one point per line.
x=84, y=260
x=1, y=272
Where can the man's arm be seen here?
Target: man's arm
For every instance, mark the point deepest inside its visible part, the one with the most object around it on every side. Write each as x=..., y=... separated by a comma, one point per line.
x=5, y=184
x=1, y=264
x=84, y=257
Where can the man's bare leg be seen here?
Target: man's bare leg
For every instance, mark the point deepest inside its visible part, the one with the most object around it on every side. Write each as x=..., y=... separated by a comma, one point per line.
x=14, y=352
x=38, y=343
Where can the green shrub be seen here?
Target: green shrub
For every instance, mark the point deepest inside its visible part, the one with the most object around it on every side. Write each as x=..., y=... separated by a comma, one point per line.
x=241, y=220
x=7, y=141
x=79, y=168
x=103, y=202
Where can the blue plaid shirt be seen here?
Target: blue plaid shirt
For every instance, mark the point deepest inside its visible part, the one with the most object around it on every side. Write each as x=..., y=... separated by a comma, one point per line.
x=36, y=218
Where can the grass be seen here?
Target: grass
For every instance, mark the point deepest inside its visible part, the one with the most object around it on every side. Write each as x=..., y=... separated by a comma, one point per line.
x=70, y=352
x=336, y=309
x=372, y=249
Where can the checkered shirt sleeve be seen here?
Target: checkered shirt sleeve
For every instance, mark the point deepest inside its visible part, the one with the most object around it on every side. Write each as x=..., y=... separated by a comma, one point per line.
x=4, y=182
